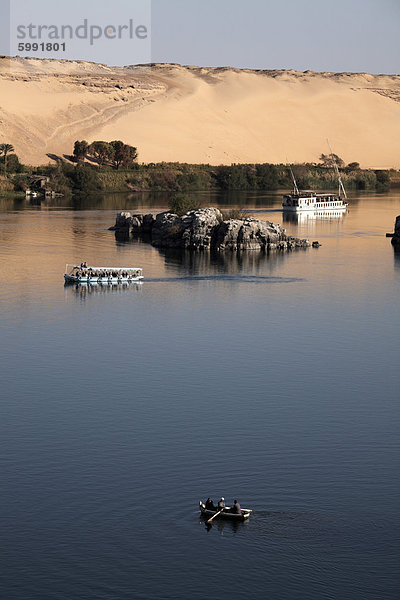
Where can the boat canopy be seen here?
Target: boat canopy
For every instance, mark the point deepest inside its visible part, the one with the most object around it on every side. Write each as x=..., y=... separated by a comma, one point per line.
x=87, y=268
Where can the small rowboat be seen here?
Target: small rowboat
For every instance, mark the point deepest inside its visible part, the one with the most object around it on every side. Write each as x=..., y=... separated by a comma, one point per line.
x=225, y=514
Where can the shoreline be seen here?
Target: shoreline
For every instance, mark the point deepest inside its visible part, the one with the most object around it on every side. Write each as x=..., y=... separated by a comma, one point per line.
x=69, y=178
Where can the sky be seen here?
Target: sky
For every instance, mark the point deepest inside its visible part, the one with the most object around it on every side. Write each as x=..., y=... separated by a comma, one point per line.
x=320, y=35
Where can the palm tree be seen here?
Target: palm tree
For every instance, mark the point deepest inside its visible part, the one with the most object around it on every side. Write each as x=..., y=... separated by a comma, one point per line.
x=5, y=149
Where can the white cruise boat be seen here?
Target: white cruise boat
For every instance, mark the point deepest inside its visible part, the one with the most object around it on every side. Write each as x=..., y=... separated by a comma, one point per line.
x=102, y=275
x=310, y=201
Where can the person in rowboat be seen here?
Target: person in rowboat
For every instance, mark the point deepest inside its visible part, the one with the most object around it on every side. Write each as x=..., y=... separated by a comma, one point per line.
x=236, y=508
x=221, y=504
x=210, y=504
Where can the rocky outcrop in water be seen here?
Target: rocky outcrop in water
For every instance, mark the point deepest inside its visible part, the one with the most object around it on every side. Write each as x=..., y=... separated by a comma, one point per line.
x=396, y=235
x=205, y=229
x=194, y=230
x=123, y=222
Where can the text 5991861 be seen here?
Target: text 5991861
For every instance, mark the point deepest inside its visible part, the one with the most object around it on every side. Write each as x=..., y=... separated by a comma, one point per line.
x=41, y=47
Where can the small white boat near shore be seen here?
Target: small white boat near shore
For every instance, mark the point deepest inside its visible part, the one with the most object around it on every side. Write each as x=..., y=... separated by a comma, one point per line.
x=102, y=275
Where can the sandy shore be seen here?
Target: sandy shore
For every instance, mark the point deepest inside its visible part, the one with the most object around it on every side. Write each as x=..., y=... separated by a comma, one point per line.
x=199, y=115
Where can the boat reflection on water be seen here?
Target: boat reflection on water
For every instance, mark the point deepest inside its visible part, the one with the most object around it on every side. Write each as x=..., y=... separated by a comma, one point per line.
x=302, y=218
x=85, y=290
x=223, y=525
x=308, y=223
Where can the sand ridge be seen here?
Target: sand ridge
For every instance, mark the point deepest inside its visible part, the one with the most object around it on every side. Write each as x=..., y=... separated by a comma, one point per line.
x=199, y=114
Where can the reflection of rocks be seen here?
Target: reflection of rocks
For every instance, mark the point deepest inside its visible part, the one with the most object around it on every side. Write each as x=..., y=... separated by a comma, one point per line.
x=205, y=229
x=216, y=263
x=396, y=236
x=147, y=224
x=122, y=235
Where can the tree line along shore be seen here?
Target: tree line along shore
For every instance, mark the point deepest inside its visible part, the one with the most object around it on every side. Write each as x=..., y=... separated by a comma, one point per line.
x=114, y=167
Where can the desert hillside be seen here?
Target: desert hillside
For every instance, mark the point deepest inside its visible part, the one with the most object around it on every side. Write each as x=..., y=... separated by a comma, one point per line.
x=199, y=115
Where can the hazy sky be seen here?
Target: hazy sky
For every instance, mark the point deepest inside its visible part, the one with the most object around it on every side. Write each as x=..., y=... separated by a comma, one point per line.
x=321, y=35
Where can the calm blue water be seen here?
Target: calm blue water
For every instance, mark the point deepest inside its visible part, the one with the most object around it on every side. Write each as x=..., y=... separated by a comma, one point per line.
x=271, y=379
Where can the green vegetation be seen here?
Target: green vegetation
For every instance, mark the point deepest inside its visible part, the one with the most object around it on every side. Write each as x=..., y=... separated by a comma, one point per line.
x=112, y=167
x=4, y=150
x=382, y=181
x=181, y=204
x=114, y=153
x=11, y=164
x=5, y=184
x=235, y=213
x=328, y=160
x=80, y=150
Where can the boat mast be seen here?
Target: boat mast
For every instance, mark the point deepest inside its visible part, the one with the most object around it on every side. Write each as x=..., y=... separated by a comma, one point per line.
x=341, y=186
x=295, y=188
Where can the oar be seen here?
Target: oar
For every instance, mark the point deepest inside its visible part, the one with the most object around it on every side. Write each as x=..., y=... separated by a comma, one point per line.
x=216, y=515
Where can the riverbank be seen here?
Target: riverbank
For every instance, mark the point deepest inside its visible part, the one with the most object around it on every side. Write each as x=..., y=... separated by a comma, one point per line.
x=68, y=178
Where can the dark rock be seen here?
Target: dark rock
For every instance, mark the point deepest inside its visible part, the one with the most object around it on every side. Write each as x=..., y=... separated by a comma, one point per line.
x=123, y=221
x=297, y=243
x=248, y=234
x=147, y=223
x=167, y=231
x=226, y=235
x=136, y=224
x=199, y=227
x=396, y=237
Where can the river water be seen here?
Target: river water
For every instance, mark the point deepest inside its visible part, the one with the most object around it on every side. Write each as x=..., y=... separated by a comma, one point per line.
x=271, y=379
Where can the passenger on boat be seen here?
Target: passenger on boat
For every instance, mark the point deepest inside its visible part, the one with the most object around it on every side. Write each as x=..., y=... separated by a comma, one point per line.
x=210, y=504
x=221, y=504
x=236, y=508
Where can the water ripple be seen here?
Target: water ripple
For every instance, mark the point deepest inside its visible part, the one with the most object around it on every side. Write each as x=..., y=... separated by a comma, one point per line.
x=237, y=278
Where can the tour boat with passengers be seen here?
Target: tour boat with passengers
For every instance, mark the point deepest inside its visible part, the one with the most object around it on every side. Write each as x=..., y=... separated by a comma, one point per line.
x=102, y=275
x=310, y=201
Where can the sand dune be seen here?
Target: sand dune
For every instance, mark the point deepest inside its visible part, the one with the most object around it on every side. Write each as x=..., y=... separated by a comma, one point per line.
x=194, y=114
